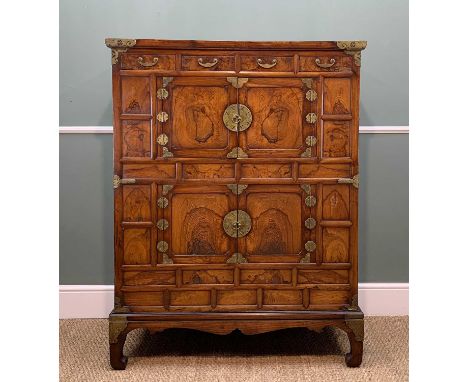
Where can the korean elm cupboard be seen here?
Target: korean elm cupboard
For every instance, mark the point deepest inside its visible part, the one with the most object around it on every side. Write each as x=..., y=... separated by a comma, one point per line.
x=235, y=187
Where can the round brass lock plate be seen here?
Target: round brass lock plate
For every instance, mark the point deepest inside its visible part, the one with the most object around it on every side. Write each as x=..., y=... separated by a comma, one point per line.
x=237, y=223
x=163, y=202
x=162, y=246
x=162, y=139
x=310, y=201
x=162, y=93
x=162, y=224
x=162, y=116
x=311, y=95
x=311, y=140
x=310, y=223
x=237, y=117
x=310, y=246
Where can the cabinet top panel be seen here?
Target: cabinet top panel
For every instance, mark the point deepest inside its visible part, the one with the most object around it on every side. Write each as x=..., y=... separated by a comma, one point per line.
x=238, y=45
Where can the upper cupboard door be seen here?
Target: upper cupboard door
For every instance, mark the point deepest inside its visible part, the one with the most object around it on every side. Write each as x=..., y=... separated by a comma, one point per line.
x=284, y=117
x=190, y=117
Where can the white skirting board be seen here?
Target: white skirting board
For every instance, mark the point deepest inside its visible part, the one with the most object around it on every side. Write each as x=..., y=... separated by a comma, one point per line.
x=110, y=129
x=96, y=301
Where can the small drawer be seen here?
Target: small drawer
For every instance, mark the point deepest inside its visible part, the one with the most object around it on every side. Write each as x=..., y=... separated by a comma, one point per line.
x=324, y=63
x=269, y=63
x=148, y=61
x=208, y=63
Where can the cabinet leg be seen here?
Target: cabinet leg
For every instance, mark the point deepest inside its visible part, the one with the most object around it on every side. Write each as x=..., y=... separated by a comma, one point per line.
x=117, y=337
x=356, y=338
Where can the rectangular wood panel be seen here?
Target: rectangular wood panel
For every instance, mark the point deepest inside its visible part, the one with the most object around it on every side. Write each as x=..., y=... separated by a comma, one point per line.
x=136, y=139
x=136, y=96
x=137, y=246
x=137, y=203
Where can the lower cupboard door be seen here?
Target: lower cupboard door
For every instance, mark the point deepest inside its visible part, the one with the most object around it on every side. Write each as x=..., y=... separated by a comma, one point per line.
x=282, y=222
x=191, y=231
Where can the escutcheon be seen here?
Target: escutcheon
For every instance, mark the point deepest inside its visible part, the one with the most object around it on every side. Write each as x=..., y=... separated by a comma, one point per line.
x=237, y=117
x=237, y=223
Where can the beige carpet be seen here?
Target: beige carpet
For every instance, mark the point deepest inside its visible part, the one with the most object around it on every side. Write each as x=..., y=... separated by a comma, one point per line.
x=185, y=355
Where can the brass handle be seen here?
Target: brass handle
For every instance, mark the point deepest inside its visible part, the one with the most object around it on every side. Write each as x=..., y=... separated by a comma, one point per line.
x=265, y=65
x=207, y=64
x=148, y=64
x=323, y=65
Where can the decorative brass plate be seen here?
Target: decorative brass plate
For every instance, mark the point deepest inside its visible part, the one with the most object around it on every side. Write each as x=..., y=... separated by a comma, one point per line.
x=236, y=152
x=162, y=224
x=310, y=246
x=311, y=140
x=166, y=188
x=310, y=201
x=237, y=117
x=236, y=258
x=237, y=223
x=162, y=116
x=162, y=93
x=162, y=139
x=237, y=189
x=162, y=246
x=163, y=202
x=311, y=118
x=167, y=153
x=311, y=95
x=310, y=223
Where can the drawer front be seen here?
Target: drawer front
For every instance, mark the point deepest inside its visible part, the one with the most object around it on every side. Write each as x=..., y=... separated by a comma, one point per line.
x=267, y=63
x=325, y=63
x=208, y=63
x=148, y=61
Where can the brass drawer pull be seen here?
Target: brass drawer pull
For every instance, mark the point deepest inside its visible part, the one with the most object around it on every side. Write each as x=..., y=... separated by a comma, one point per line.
x=207, y=64
x=148, y=64
x=265, y=65
x=323, y=65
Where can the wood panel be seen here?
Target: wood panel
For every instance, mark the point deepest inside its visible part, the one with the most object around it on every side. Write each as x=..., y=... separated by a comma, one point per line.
x=209, y=276
x=136, y=139
x=136, y=96
x=335, y=205
x=282, y=297
x=195, y=215
x=335, y=245
x=236, y=297
x=279, y=108
x=337, y=96
x=336, y=139
x=322, y=276
x=277, y=213
x=266, y=276
x=136, y=246
x=195, y=109
x=222, y=62
x=149, y=278
x=136, y=203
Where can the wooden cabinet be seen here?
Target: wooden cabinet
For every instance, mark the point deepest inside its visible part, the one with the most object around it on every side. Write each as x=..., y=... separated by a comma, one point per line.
x=236, y=187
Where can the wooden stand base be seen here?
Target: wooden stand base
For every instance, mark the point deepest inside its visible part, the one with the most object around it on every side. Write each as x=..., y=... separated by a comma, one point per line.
x=121, y=323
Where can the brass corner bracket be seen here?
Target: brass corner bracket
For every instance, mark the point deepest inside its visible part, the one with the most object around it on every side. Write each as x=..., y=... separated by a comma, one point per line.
x=357, y=327
x=119, y=45
x=237, y=152
x=353, y=48
x=167, y=259
x=354, y=181
x=117, y=325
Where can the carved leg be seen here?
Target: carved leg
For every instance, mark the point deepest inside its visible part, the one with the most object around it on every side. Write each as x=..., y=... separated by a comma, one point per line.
x=356, y=338
x=117, y=337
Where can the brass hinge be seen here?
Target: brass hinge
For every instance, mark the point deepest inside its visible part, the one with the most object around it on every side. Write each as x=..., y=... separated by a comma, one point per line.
x=116, y=181
x=354, y=180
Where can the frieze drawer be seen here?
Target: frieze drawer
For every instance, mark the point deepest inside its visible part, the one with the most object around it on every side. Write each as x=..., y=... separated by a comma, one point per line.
x=148, y=61
x=208, y=63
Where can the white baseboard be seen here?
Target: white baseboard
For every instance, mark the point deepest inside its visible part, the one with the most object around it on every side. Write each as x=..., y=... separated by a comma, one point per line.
x=96, y=301
x=110, y=130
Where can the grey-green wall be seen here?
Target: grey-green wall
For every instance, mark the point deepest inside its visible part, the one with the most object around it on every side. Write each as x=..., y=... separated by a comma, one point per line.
x=85, y=80
x=85, y=100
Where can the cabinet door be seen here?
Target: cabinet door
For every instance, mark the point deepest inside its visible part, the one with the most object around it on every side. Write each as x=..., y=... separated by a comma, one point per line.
x=283, y=223
x=284, y=117
x=190, y=120
x=191, y=230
